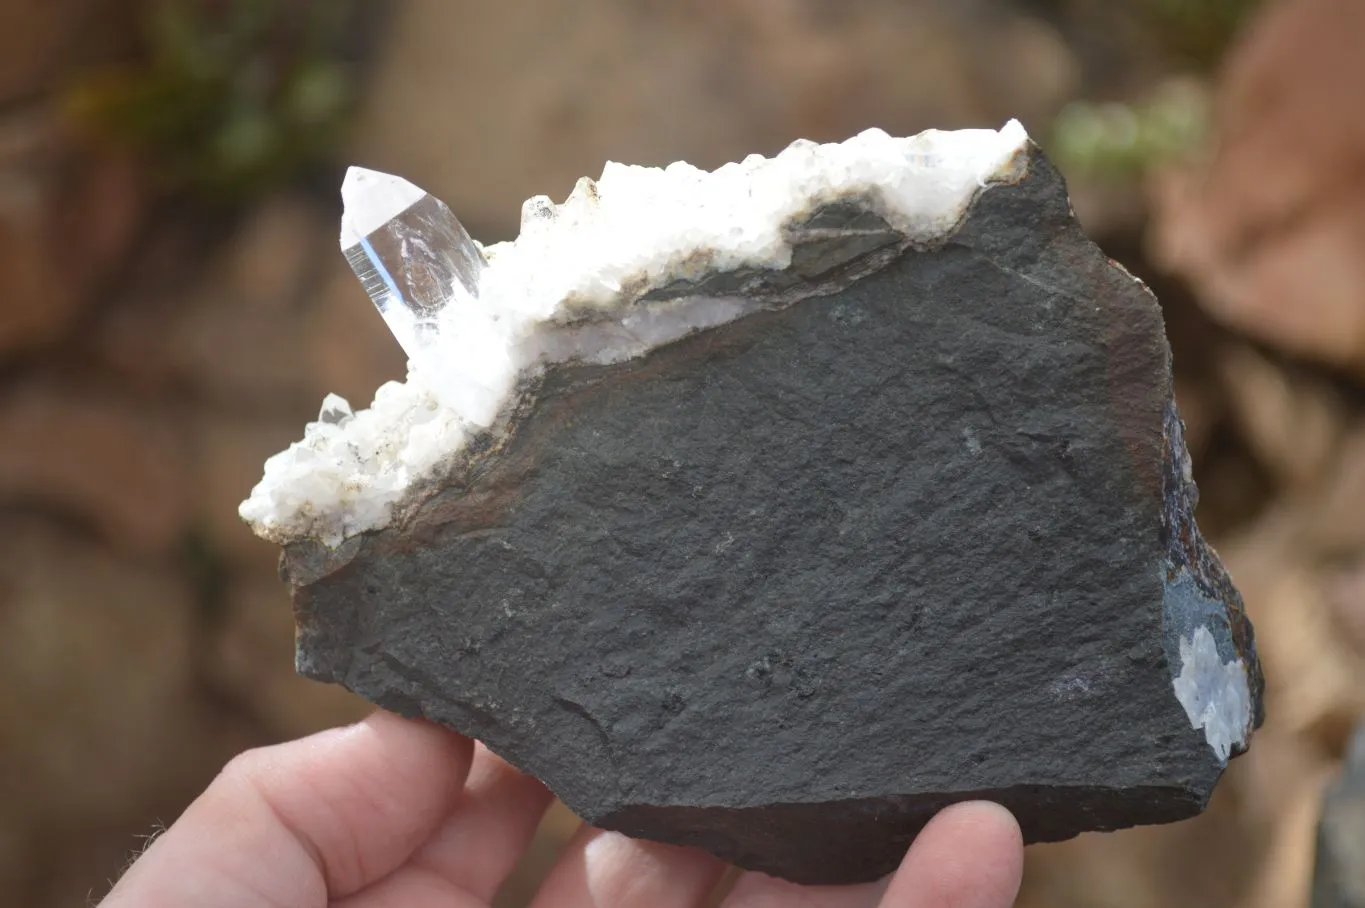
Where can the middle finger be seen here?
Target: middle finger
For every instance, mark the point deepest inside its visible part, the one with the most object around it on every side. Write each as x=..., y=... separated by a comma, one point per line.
x=600, y=869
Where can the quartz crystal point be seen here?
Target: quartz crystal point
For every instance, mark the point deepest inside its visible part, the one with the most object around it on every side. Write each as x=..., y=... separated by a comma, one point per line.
x=895, y=512
x=410, y=253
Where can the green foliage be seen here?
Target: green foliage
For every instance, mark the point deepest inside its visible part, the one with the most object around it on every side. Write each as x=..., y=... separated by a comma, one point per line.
x=1122, y=141
x=231, y=97
x=1114, y=141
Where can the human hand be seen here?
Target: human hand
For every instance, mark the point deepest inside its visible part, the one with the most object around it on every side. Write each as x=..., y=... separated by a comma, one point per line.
x=395, y=812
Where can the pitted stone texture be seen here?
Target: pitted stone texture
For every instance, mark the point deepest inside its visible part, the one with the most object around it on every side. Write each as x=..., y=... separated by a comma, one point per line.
x=787, y=587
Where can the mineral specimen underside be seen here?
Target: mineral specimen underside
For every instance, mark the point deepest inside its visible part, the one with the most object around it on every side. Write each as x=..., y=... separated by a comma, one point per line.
x=910, y=524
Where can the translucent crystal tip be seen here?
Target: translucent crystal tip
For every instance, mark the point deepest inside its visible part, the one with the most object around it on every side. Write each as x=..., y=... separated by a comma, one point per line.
x=409, y=252
x=371, y=198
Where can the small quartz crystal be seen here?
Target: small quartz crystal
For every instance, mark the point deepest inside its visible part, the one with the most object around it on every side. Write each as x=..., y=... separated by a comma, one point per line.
x=410, y=253
x=335, y=410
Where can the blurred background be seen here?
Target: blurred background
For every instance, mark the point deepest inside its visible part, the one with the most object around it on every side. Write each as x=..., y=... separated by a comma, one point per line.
x=174, y=307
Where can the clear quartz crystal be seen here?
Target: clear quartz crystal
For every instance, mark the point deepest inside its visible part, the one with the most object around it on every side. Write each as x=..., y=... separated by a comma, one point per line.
x=335, y=410
x=410, y=253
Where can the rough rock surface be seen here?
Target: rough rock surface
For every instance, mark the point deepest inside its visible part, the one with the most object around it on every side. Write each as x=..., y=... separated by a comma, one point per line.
x=785, y=588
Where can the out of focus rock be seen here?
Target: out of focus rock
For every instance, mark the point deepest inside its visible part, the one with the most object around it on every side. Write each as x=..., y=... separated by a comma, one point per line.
x=39, y=299
x=1252, y=848
x=226, y=454
x=1344, y=594
x=97, y=664
x=18, y=851
x=67, y=215
x=1283, y=876
x=1270, y=227
x=1319, y=685
x=1273, y=801
x=77, y=865
x=556, y=828
x=1108, y=207
x=352, y=350
x=1194, y=864
x=1339, y=877
x=704, y=82
x=40, y=43
x=84, y=452
x=128, y=345
x=234, y=353
x=230, y=329
x=1335, y=525
x=213, y=346
x=1292, y=423
x=233, y=344
x=273, y=252
x=1199, y=410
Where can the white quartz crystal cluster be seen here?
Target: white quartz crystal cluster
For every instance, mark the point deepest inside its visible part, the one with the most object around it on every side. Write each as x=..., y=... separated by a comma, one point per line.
x=1216, y=694
x=568, y=288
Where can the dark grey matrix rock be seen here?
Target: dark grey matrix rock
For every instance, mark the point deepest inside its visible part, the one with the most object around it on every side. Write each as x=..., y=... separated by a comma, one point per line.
x=918, y=532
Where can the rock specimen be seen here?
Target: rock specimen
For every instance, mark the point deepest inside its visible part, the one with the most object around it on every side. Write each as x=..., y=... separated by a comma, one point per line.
x=772, y=510
x=1339, y=878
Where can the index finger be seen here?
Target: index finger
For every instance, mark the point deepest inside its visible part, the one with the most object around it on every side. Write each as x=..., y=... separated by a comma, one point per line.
x=294, y=824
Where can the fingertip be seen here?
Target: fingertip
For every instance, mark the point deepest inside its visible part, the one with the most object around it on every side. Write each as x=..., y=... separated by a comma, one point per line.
x=971, y=854
x=359, y=799
x=985, y=820
x=417, y=732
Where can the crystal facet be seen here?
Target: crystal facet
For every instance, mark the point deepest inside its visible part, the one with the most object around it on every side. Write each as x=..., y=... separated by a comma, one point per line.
x=410, y=253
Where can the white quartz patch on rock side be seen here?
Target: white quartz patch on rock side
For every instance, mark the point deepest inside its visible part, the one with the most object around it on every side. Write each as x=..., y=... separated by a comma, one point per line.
x=1215, y=694
x=635, y=229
